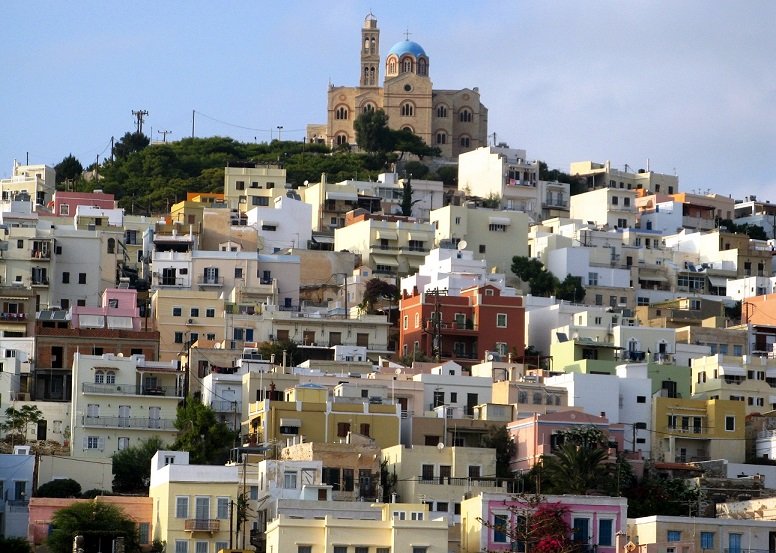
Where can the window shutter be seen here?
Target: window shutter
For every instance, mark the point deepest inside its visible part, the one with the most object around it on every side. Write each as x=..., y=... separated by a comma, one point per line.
x=86, y=442
x=101, y=444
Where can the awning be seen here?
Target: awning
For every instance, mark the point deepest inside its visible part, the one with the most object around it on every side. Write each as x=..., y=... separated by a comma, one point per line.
x=323, y=239
x=718, y=282
x=270, y=223
x=771, y=399
x=290, y=422
x=385, y=260
x=414, y=262
x=91, y=321
x=651, y=276
x=387, y=235
x=119, y=322
x=770, y=373
x=727, y=370
x=499, y=220
x=351, y=196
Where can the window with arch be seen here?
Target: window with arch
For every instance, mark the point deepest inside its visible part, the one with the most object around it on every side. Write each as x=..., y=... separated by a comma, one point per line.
x=406, y=65
x=392, y=66
x=110, y=377
x=407, y=128
x=422, y=67
x=372, y=45
x=99, y=377
x=372, y=74
x=111, y=245
x=341, y=113
x=465, y=115
x=340, y=139
x=407, y=109
x=441, y=137
x=465, y=141
x=441, y=111
x=368, y=107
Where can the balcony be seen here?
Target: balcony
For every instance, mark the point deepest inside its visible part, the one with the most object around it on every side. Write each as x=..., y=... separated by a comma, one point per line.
x=129, y=422
x=40, y=281
x=206, y=281
x=130, y=390
x=413, y=250
x=457, y=328
x=42, y=255
x=202, y=525
x=13, y=317
x=226, y=406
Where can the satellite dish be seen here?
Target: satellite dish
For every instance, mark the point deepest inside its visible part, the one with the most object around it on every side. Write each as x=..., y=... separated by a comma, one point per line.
x=306, y=182
x=440, y=446
x=462, y=245
x=397, y=371
x=490, y=357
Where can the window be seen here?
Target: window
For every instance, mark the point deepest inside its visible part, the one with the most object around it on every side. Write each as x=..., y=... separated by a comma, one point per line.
x=474, y=471
x=304, y=549
x=464, y=141
x=605, y=527
x=181, y=546
x=501, y=320
x=178, y=337
x=200, y=547
x=177, y=311
x=405, y=322
x=500, y=528
x=342, y=429
x=730, y=423
x=341, y=113
x=407, y=109
x=674, y=535
x=441, y=111
x=222, y=507
x=361, y=549
x=221, y=545
x=495, y=227
x=99, y=377
x=181, y=507
x=289, y=480
x=615, y=200
x=641, y=399
x=441, y=137
x=482, y=248
x=465, y=115
x=81, y=278
x=110, y=377
x=66, y=278
x=707, y=540
x=419, y=548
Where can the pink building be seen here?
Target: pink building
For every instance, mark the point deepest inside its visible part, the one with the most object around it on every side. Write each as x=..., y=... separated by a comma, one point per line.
x=65, y=203
x=537, y=435
x=119, y=310
x=42, y=509
x=598, y=523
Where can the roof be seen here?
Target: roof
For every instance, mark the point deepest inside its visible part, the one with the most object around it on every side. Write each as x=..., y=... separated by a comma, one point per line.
x=407, y=47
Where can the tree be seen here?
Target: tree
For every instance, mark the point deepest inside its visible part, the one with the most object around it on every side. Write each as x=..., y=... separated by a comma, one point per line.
x=132, y=466
x=416, y=169
x=61, y=487
x=406, y=197
x=15, y=545
x=448, y=174
x=99, y=523
x=130, y=143
x=274, y=350
x=17, y=420
x=406, y=141
x=543, y=283
x=498, y=438
x=571, y=289
x=526, y=268
x=372, y=132
x=207, y=440
x=68, y=169
x=376, y=290
x=576, y=466
x=657, y=494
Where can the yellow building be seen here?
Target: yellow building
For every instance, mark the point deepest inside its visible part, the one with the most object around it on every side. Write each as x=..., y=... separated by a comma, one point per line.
x=192, y=503
x=184, y=315
x=606, y=207
x=739, y=378
x=248, y=185
x=119, y=401
x=455, y=121
x=603, y=175
x=686, y=430
x=308, y=411
x=402, y=527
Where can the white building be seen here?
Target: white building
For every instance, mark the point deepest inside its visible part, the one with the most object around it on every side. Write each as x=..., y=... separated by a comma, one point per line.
x=16, y=472
x=283, y=224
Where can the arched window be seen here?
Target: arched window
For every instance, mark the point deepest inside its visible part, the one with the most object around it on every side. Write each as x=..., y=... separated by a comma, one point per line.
x=465, y=115
x=366, y=44
x=110, y=377
x=406, y=65
x=99, y=377
x=441, y=137
x=341, y=113
x=372, y=75
x=368, y=107
x=392, y=66
x=111, y=245
x=372, y=45
x=340, y=139
x=441, y=111
x=407, y=128
x=407, y=109
x=465, y=141
x=422, y=67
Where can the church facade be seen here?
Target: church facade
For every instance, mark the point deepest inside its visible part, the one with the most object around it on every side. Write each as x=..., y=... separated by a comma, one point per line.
x=455, y=121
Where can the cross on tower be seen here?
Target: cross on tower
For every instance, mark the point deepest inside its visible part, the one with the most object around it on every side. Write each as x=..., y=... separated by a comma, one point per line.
x=407, y=34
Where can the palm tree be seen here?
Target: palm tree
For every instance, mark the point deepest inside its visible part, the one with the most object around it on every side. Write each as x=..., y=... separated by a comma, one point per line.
x=575, y=469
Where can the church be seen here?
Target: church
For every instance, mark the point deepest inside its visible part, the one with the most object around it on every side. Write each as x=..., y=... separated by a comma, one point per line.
x=455, y=121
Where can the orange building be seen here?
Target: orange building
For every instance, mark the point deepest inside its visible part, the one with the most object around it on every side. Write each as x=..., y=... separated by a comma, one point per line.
x=462, y=328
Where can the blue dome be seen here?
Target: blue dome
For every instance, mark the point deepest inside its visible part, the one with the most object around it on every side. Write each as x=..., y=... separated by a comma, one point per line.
x=407, y=47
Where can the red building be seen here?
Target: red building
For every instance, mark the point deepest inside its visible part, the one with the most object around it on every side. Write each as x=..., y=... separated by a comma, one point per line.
x=462, y=328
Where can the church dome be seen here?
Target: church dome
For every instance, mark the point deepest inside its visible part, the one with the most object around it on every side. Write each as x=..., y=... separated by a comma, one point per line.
x=407, y=47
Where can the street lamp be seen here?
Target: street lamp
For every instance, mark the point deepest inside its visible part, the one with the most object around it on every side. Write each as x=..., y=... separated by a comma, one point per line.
x=280, y=128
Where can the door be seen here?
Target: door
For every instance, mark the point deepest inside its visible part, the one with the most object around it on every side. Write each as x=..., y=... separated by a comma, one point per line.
x=124, y=415
x=734, y=543
x=202, y=510
x=154, y=417
x=41, y=430
x=581, y=530
x=444, y=474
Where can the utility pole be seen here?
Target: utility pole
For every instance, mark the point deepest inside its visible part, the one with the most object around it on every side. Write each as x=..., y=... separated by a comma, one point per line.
x=111, y=149
x=192, y=122
x=139, y=115
x=437, y=336
x=164, y=135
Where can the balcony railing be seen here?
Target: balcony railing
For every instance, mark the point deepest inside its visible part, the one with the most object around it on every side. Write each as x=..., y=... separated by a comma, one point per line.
x=13, y=317
x=210, y=281
x=129, y=422
x=225, y=406
x=202, y=525
x=131, y=390
x=457, y=481
x=40, y=281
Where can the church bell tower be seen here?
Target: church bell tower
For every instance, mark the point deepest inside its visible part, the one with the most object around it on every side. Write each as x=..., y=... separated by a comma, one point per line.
x=370, y=52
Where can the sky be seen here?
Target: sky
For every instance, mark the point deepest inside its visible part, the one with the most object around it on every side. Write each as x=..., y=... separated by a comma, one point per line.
x=685, y=88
